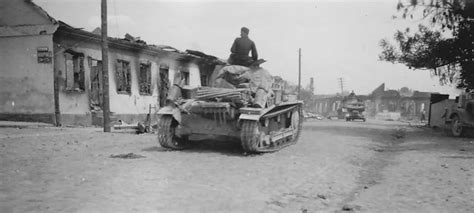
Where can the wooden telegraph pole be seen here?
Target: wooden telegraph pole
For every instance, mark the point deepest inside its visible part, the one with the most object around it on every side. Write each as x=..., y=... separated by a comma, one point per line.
x=299, y=73
x=341, y=83
x=105, y=68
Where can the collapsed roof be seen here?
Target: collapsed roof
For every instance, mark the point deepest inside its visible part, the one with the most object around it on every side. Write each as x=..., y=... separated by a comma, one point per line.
x=129, y=41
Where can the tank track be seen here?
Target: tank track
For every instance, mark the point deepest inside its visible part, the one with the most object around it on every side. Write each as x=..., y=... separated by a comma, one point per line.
x=166, y=137
x=252, y=138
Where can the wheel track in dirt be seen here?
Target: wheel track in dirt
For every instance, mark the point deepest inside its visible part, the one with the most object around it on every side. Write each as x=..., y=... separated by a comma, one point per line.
x=371, y=173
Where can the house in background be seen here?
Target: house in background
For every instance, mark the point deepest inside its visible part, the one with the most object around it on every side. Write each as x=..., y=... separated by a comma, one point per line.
x=328, y=105
x=381, y=104
x=52, y=72
x=399, y=104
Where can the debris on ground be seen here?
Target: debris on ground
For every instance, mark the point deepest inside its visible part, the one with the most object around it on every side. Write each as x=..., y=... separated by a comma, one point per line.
x=377, y=149
x=123, y=125
x=399, y=133
x=350, y=207
x=139, y=127
x=130, y=155
x=321, y=196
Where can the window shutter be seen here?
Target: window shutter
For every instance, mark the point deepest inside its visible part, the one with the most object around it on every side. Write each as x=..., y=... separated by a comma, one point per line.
x=81, y=74
x=129, y=78
x=118, y=77
x=69, y=71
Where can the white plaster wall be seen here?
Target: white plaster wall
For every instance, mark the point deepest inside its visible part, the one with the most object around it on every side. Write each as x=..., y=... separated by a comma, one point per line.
x=79, y=102
x=132, y=103
x=194, y=76
x=73, y=102
x=26, y=86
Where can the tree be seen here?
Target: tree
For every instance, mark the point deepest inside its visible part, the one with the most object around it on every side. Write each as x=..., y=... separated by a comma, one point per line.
x=446, y=49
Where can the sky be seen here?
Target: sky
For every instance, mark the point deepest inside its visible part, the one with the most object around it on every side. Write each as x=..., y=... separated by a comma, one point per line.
x=338, y=38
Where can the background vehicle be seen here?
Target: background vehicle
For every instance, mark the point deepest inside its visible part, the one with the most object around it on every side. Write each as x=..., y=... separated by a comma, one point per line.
x=461, y=116
x=354, y=114
x=310, y=115
x=353, y=108
x=242, y=103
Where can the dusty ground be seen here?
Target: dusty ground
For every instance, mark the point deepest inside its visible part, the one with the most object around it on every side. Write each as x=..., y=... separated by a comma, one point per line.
x=336, y=166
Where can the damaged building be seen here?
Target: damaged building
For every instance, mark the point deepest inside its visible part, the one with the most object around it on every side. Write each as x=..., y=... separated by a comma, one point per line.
x=381, y=104
x=52, y=72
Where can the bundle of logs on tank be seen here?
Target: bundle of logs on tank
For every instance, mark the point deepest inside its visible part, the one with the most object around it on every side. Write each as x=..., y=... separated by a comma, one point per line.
x=235, y=95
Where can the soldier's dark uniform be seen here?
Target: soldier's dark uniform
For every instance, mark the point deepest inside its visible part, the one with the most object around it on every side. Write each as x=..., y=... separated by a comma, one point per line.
x=241, y=48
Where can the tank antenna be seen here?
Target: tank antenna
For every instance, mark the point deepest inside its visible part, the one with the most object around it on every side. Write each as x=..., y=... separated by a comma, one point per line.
x=299, y=73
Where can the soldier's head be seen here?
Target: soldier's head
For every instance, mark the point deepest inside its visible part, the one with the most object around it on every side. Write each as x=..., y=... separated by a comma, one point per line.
x=244, y=32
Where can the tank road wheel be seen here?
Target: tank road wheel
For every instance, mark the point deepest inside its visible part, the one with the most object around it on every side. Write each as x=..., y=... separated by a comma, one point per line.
x=252, y=137
x=166, y=130
x=296, y=124
x=456, y=128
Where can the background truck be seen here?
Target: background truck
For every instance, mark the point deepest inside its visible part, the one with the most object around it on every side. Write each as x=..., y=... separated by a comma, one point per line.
x=461, y=115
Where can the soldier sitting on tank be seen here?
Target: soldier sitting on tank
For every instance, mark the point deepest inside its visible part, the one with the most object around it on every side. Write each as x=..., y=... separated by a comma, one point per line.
x=241, y=48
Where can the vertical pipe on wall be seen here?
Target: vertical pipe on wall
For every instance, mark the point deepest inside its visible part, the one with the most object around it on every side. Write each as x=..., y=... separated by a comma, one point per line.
x=57, y=113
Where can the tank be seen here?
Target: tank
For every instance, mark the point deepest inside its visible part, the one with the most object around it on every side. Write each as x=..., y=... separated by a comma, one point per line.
x=232, y=104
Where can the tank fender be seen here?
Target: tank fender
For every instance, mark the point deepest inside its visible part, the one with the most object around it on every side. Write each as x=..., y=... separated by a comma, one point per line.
x=451, y=116
x=249, y=117
x=173, y=111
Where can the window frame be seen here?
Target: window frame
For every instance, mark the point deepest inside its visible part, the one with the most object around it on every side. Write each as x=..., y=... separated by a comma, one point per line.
x=123, y=71
x=142, y=81
x=78, y=71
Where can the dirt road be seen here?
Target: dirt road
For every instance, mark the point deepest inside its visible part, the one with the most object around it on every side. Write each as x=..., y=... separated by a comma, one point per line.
x=336, y=166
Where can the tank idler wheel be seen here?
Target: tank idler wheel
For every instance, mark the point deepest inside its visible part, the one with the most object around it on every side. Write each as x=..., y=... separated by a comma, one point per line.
x=296, y=124
x=166, y=133
x=251, y=136
x=255, y=136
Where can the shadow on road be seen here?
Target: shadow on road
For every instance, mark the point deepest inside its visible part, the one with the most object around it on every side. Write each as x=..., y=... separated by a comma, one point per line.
x=376, y=134
x=396, y=137
x=155, y=149
x=459, y=157
x=230, y=148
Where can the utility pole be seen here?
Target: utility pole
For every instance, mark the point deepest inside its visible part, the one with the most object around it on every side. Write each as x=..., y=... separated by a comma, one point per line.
x=105, y=68
x=341, y=83
x=299, y=72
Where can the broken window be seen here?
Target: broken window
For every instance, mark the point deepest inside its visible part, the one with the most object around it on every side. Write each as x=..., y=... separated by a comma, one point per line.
x=74, y=71
x=96, y=91
x=144, y=79
x=185, y=77
x=164, y=84
x=123, y=77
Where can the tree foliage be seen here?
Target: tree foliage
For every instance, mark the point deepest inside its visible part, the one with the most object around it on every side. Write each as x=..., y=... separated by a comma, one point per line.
x=445, y=46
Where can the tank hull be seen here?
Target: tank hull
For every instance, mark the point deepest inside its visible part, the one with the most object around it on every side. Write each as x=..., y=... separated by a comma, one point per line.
x=243, y=103
x=257, y=129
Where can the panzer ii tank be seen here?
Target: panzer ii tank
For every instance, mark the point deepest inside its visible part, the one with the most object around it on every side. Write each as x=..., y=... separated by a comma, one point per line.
x=239, y=103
